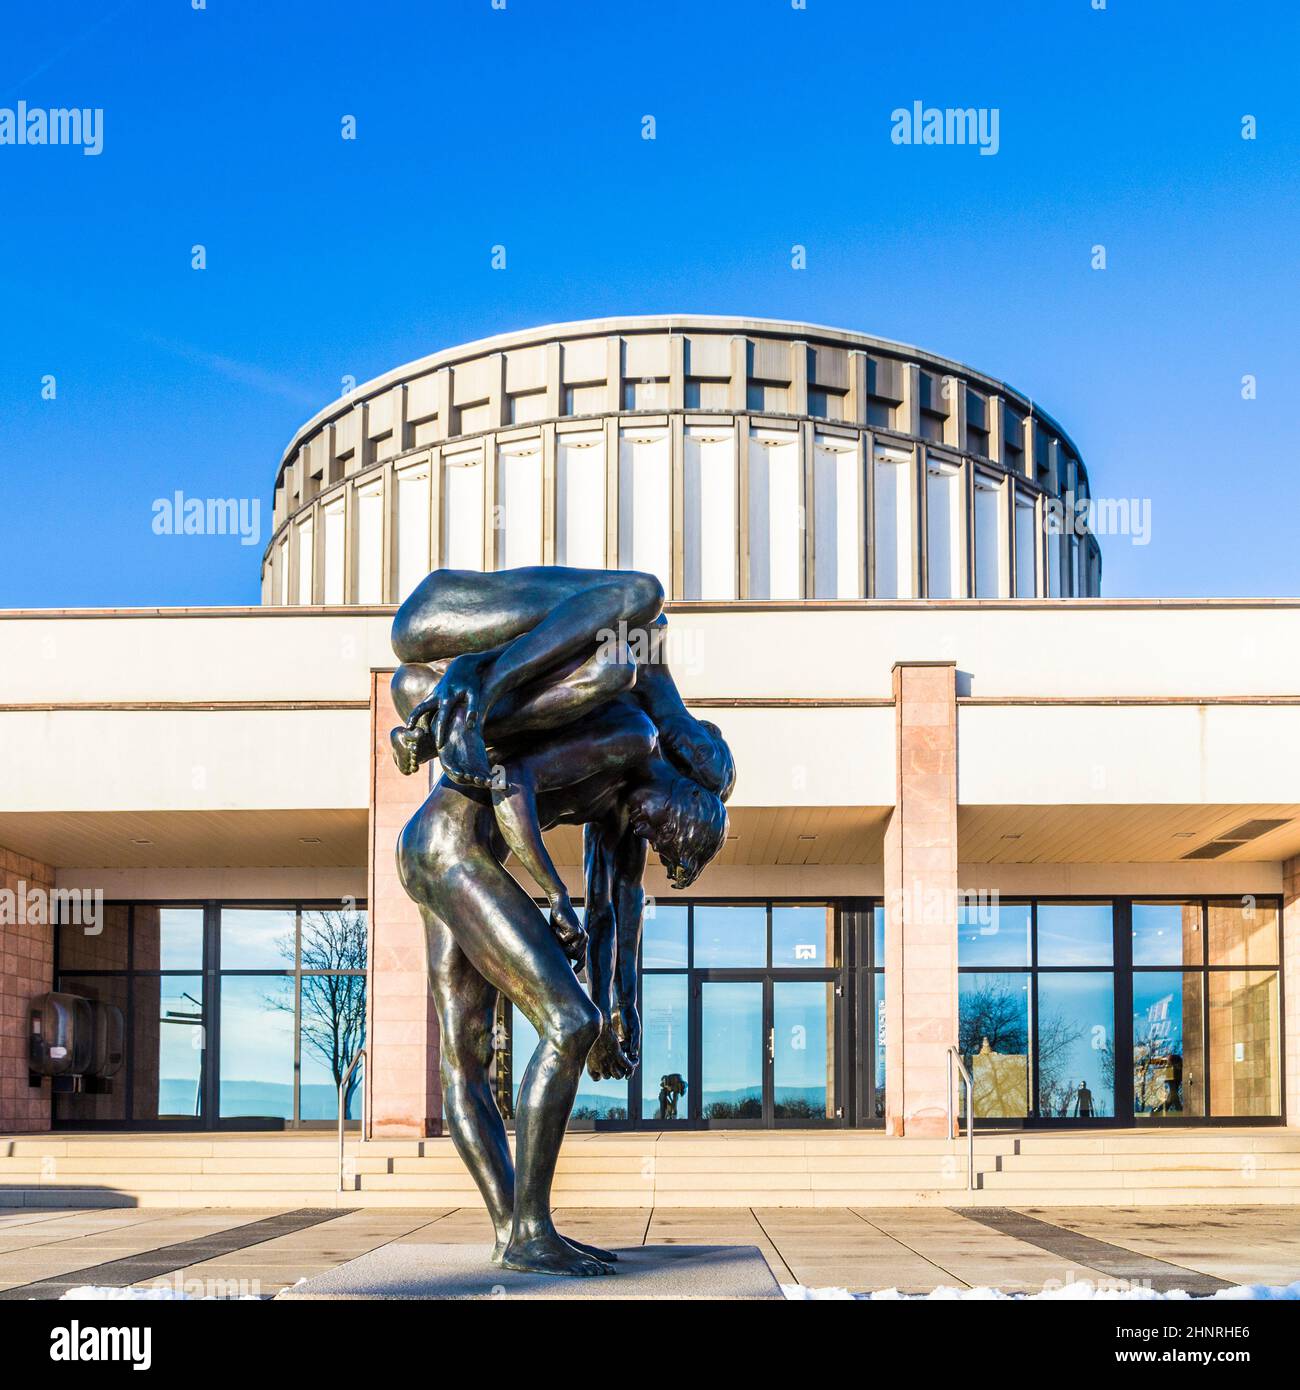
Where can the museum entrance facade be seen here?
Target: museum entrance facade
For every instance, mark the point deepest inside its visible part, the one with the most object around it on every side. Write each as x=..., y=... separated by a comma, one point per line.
x=754, y=1014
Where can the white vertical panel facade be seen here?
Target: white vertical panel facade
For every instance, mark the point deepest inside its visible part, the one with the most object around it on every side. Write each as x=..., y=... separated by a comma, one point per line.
x=580, y=500
x=412, y=528
x=709, y=524
x=462, y=516
x=990, y=538
x=370, y=544
x=775, y=515
x=282, y=571
x=519, y=504
x=645, y=504
x=893, y=536
x=943, y=520
x=334, y=525
x=838, y=505
x=306, y=558
x=1026, y=534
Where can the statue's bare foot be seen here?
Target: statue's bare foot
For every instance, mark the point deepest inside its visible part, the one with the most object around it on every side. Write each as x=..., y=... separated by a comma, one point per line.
x=605, y=1256
x=499, y=1249
x=463, y=754
x=551, y=1254
x=411, y=747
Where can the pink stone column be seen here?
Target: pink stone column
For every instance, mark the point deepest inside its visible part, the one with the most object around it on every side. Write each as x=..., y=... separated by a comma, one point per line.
x=402, y=1028
x=26, y=970
x=920, y=901
x=1291, y=987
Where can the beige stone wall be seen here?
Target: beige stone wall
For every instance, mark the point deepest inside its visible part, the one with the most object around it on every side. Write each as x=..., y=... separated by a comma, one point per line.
x=26, y=969
x=402, y=1028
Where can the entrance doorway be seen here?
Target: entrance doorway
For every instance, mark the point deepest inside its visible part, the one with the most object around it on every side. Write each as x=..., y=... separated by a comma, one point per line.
x=768, y=1052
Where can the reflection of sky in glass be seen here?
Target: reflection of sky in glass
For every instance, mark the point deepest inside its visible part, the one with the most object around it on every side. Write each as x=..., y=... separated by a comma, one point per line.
x=1158, y=933
x=181, y=930
x=663, y=937
x=878, y=936
x=993, y=934
x=1076, y=1040
x=665, y=1035
x=1158, y=1010
x=256, y=938
x=880, y=1041
x=1075, y=934
x=600, y=1097
x=731, y=1039
x=801, y=937
x=325, y=999
x=731, y=936
x=257, y=1045
x=799, y=1037
x=180, y=1045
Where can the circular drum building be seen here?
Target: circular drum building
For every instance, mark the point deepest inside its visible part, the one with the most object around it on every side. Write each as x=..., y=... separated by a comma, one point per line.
x=737, y=459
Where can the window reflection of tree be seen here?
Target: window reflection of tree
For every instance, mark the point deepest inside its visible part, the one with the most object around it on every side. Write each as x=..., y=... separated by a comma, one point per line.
x=333, y=1024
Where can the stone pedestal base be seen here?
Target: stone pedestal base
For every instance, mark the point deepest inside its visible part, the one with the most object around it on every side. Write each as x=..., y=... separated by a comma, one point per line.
x=410, y=1271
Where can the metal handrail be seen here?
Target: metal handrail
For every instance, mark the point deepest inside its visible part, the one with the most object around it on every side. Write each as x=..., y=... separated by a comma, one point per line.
x=955, y=1056
x=357, y=1056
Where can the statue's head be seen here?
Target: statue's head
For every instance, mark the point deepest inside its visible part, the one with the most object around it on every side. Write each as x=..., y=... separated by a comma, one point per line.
x=685, y=823
x=697, y=748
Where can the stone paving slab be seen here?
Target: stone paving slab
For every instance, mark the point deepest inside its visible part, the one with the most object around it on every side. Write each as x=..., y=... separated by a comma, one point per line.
x=460, y=1271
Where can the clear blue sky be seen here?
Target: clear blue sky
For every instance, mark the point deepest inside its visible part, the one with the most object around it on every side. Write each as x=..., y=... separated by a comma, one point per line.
x=523, y=127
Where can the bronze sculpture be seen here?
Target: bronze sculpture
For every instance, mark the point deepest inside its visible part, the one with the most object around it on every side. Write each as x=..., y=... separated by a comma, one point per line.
x=545, y=697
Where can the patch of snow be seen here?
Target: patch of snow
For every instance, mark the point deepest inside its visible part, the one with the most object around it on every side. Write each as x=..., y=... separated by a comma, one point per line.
x=160, y=1294
x=1081, y=1289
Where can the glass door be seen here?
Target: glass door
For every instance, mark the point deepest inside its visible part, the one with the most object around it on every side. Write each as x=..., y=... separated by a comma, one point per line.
x=767, y=1051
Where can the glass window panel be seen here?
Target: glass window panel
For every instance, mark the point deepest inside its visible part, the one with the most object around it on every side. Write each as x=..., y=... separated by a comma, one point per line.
x=257, y=1046
x=663, y=937
x=1076, y=1044
x=1243, y=931
x=993, y=933
x=332, y=939
x=1245, y=1069
x=730, y=936
x=803, y=1049
x=462, y=511
x=878, y=992
x=1168, y=1070
x=644, y=498
x=1026, y=537
x=709, y=530
x=837, y=481
x=665, y=1030
x=1075, y=934
x=107, y=1102
x=1167, y=934
x=943, y=513
x=519, y=505
x=370, y=545
x=168, y=938
x=332, y=1031
x=305, y=562
x=893, y=545
x=775, y=517
x=803, y=937
x=596, y=1100
x=170, y=1038
x=1053, y=545
x=580, y=500
x=878, y=937
x=731, y=1049
x=97, y=945
x=993, y=1034
x=412, y=528
x=334, y=519
x=989, y=529
x=257, y=938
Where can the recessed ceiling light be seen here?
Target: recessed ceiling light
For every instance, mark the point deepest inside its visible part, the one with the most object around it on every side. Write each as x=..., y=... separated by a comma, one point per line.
x=807, y=837
x=135, y=841
x=1016, y=836
x=309, y=839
